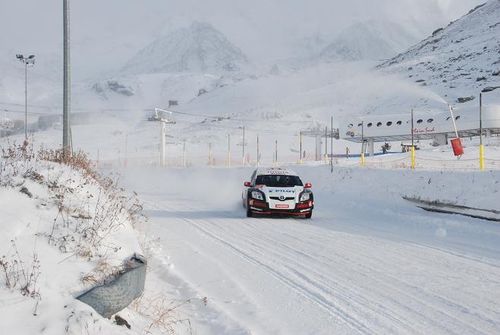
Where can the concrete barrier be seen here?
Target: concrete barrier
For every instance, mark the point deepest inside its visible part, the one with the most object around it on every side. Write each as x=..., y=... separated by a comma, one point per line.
x=114, y=296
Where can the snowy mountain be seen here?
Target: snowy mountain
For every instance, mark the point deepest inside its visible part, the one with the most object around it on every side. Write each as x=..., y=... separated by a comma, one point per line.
x=371, y=40
x=198, y=48
x=459, y=60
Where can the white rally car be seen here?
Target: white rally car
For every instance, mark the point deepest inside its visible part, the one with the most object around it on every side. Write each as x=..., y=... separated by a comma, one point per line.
x=277, y=191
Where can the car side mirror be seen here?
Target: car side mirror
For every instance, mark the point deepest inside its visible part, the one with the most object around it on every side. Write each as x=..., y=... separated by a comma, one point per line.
x=308, y=185
x=247, y=184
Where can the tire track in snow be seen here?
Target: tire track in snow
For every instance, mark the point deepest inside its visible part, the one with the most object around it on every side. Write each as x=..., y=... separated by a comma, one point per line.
x=324, y=288
x=455, y=322
x=332, y=309
x=323, y=285
x=356, y=302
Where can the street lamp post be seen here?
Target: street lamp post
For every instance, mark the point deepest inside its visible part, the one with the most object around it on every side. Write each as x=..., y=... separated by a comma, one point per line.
x=481, y=146
x=413, y=161
x=27, y=61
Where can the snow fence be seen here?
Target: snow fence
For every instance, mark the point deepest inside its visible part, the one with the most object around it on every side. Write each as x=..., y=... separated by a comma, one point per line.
x=114, y=296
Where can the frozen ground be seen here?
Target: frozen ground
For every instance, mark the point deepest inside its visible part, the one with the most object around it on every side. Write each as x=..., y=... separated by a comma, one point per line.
x=368, y=262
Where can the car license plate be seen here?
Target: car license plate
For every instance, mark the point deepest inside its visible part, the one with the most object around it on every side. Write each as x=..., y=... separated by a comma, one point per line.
x=282, y=206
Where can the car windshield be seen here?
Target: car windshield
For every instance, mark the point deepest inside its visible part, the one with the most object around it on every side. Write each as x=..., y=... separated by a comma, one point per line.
x=278, y=181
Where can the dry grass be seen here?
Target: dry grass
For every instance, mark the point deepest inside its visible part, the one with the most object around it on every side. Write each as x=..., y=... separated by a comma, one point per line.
x=102, y=272
x=163, y=313
x=21, y=276
x=90, y=208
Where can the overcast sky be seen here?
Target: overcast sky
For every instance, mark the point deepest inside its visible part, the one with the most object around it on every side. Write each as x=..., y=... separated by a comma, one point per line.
x=105, y=33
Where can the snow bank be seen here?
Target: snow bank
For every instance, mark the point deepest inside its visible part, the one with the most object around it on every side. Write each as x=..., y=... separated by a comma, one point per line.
x=64, y=230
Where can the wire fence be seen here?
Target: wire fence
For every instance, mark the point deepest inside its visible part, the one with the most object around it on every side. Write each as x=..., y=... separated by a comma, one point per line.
x=424, y=161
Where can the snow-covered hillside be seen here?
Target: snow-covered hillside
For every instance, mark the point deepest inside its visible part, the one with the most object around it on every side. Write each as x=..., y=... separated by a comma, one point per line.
x=459, y=60
x=372, y=40
x=198, y=48
x=65, y=229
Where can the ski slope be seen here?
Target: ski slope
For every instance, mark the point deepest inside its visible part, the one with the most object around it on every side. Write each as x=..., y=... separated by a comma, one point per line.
x=367, y=263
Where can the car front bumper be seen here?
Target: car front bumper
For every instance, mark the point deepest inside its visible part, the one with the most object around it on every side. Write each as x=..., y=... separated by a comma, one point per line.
x=262, y=208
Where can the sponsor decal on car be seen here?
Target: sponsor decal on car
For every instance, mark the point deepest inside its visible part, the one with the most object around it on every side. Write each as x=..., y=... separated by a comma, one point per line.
x=283, y=190
x=282, y=206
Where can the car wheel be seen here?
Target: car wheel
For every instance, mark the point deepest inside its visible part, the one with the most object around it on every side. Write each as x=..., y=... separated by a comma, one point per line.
x=309, y=215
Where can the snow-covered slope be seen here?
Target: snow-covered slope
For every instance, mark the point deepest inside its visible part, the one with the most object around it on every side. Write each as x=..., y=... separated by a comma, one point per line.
x=371, y=40
x=458, y=60
x=65, y=229
x=198, y=48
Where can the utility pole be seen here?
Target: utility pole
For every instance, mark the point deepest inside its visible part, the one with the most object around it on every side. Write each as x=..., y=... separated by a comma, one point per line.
x=300, y=147
x=228, y=150
x=126, y=149
x=331, y=144
x=412, y=127
x=276, y=152
x=162, y=143
x=67, y=80
x=209, y=154
x=184, y=153
x=481, y=146
x=258, y=151
x=25, y=101
x=326, y=144
x=243, y=147
x=362, y=143
x=413, y=163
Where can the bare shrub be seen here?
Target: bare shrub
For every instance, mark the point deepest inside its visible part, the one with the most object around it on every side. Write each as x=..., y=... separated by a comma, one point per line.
x=78, y=161
x=17, y=160
x=19, y=275
x=163, y=313
x=102, y=272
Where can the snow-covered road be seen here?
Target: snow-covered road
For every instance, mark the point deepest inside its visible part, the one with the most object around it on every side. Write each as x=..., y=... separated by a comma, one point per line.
x=365, y=263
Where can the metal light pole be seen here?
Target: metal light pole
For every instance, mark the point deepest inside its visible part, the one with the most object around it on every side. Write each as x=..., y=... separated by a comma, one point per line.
x=331, y=144
x=210, y=158
x=362, y=143
x=228, y=150
x=243, y=148
x=162, y=143
x=413, y=161
x=276, y=151
x=481, y=146
x=300, y=147
x=258, y=151
x=27, y=61
x=184, y=153
x=67, y=81
x=326, y=144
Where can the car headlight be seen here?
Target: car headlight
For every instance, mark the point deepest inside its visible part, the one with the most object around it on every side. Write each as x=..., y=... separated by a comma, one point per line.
x=305, y=196
x=257, y=195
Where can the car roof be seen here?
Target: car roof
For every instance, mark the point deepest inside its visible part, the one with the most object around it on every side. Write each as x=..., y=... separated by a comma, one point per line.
x=275, y=171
